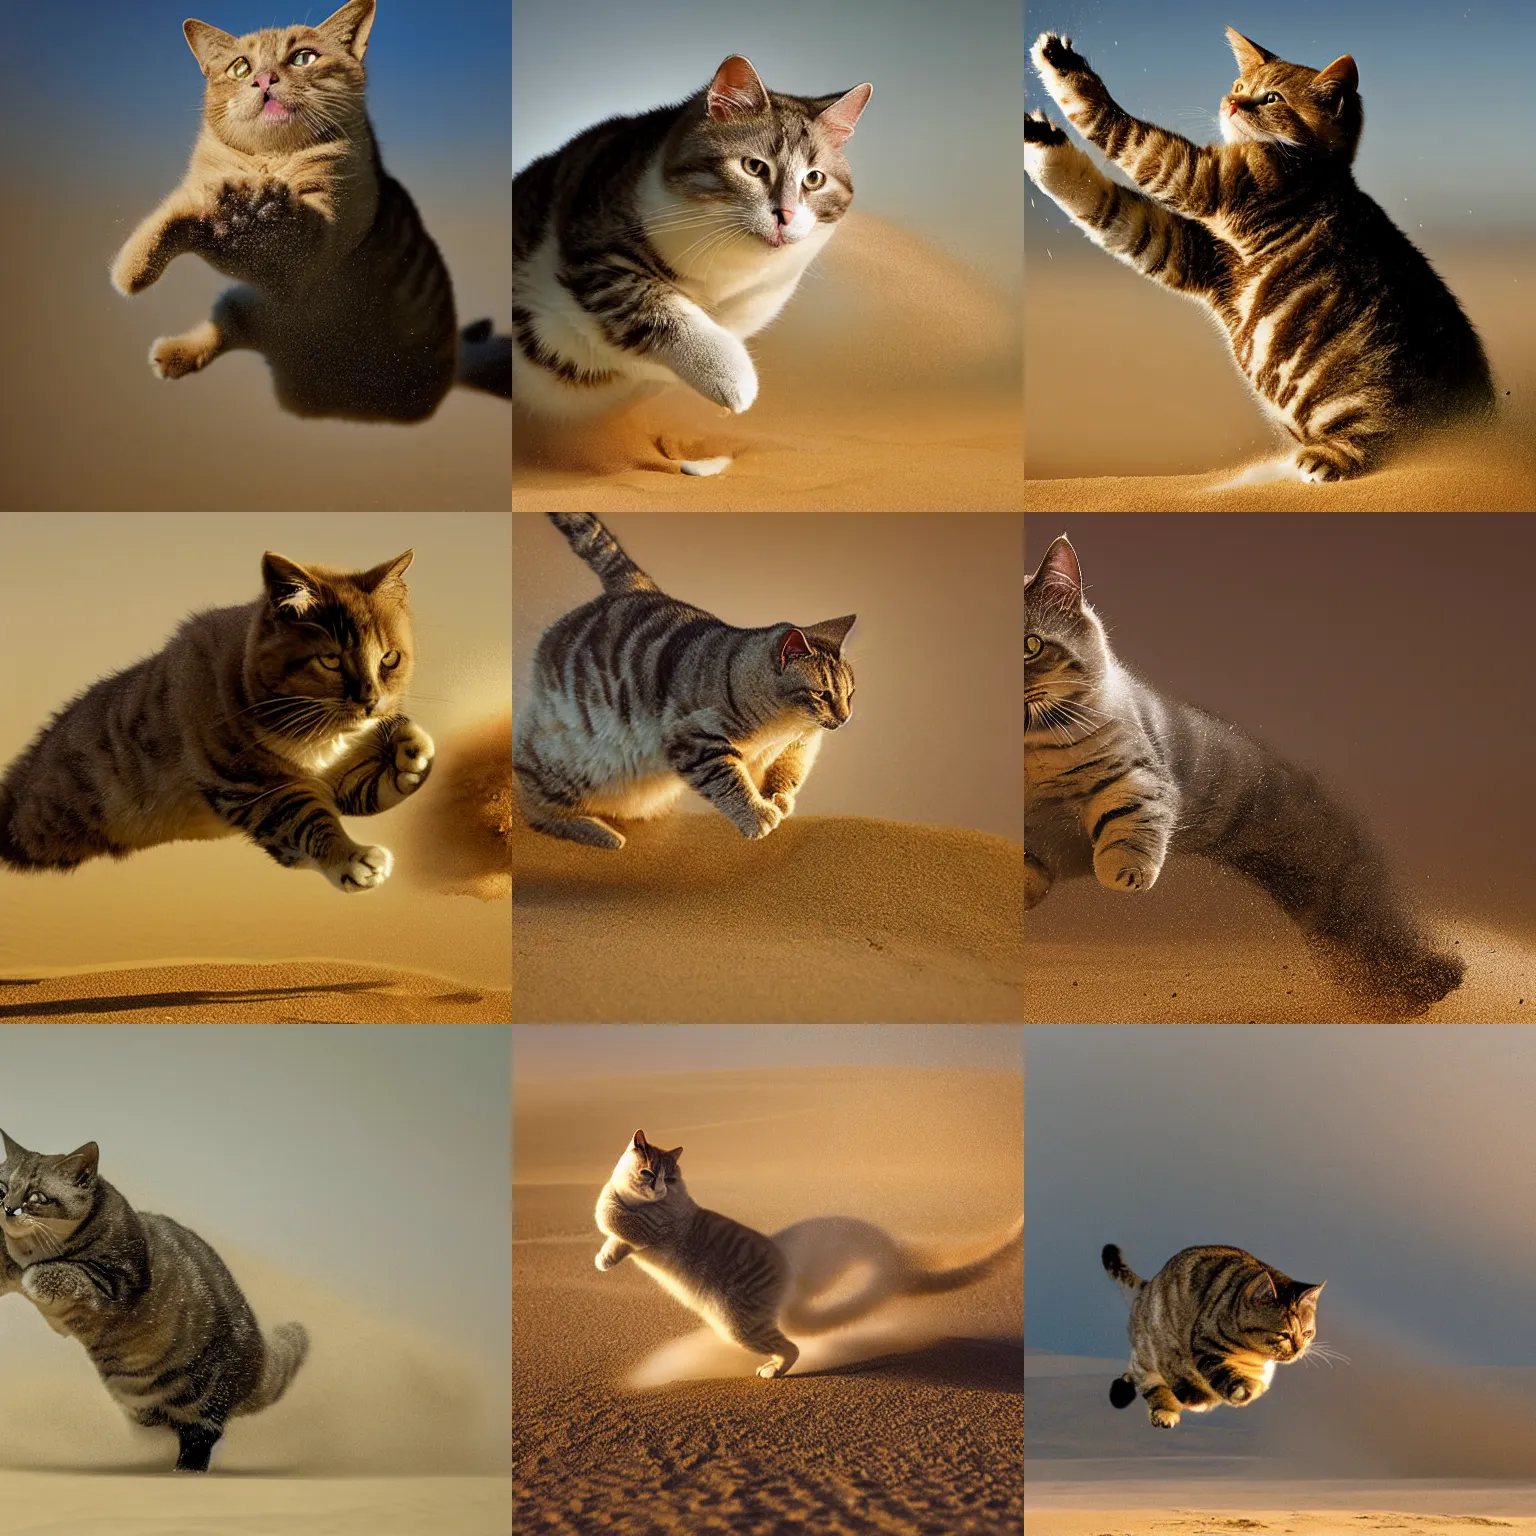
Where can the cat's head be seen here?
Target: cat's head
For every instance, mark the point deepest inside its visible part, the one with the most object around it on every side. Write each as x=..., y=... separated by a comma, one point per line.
x=1316, y=111
x=1277, y=1316
x=329, y=649
x=43, y=1198
x=646, y=1172
x=284, y=88
x=1066, y=655
x=772, y=165
x=811, y=676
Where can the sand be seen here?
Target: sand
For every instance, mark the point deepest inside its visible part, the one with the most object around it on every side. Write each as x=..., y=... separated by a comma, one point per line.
x=828, y=919
x=890, y=383
x=918, y=1429
x=1099, y=439
x=462, y=843
x=294, y=992
x=383, y=1433
x=1294, y=1522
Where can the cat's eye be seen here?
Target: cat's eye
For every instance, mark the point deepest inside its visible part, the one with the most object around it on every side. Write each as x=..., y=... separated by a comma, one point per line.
x=1033, y=645
x=304, y=56
x=824, y=696
x=390, y=659
x=1269, y=98
x=330, y=663
x=239, y=69
x=758, y=168
x=814, y=179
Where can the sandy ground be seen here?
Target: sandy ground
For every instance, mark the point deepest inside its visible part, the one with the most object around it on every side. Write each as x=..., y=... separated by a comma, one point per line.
x=890, y=383
x=828, y=919
x=913, y=1425
x=1099, y=439
x=383, y=1433
x=462, y=844
x=295, y=992
x=1293, y=1522
x=1205, y=948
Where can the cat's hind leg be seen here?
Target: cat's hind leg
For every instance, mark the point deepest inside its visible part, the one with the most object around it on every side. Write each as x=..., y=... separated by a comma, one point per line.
x=195, y=1446
x=1163, y=1408
x=761, y=1335
x=230, y=328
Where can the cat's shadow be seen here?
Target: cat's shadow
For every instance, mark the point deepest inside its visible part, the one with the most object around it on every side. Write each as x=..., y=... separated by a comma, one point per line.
x=975, y=1365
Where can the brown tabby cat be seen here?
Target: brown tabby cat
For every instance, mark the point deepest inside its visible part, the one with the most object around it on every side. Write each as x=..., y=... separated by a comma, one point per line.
x=1209, y=1328
x=1337, y=321
x=267, y=719
x=165, y=1324
x=344, y=292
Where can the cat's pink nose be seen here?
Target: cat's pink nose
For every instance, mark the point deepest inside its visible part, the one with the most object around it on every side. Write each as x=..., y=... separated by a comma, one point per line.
x=784, y=215
x=263, y=81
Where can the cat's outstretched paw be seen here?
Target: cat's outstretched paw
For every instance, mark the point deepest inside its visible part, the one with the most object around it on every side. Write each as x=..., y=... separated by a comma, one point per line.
x=367, y=868
x=1064, y=72
x=758, y=821
x=414, y=751
x=1122, y=869
x=1040, y=132
x=785, y=800
x=246, y=208
x=726, y=375
x=1163, y=1418
x=174, y=357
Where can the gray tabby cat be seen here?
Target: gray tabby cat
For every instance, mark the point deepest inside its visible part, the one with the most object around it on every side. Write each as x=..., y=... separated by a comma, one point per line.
x=1338, y=322
x=1209, y=1328
x=637, y=696
x=745, y=1284
x=644, y=250
x=1116, y=777
x=167, y=1328
x=267, y=719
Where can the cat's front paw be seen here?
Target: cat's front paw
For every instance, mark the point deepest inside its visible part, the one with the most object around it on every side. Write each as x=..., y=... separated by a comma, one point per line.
x=1123, y=869
x=1162, y=1418
x=243, y=209
x=759, y=820
x=174, y=357
x=727, y=377
x=414, y=751
x=1064, y=71
x=1041, y=133
x=367, y=868
x=785, y=800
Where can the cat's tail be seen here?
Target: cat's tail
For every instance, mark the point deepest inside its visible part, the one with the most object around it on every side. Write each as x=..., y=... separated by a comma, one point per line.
x=286, y=1349
x=1119, y=1271
x=821, y=1250
x=599, y=548
x=485, y=360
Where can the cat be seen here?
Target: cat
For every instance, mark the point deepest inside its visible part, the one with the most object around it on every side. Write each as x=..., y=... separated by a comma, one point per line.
x=165, y=1324
x=1209, y=1328
x=745, y=1284
x=343, y=290
x=1339, y=324
x=1116, y=777
x=637, y=696
x=267, y=719
x=646, y=248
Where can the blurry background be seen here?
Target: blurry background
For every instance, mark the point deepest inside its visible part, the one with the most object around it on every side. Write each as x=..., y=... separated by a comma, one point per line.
x=107, y=590
x=93, y=132
x=937, y=728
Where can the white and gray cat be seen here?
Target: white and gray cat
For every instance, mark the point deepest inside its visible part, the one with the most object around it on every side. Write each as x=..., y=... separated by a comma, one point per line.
x=750, y=1287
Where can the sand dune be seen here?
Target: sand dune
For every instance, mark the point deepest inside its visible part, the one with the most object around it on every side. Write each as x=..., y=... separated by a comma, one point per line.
x=922, y=1433
x=294, y=992
x=891, y=383
x=828, y=919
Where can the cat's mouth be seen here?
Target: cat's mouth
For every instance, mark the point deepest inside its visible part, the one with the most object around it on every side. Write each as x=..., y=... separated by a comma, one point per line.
x=275, y=111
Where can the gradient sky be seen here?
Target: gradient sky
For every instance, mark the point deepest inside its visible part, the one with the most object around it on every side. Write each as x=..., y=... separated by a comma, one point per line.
x=333, y=1152
x=936, y=149
x=1393, y=1162
x=1448, y=124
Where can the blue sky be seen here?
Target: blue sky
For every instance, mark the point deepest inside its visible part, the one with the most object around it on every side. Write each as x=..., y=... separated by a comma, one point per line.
x=1448, y=126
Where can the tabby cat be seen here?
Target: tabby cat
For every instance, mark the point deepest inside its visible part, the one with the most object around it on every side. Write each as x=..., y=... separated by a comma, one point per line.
x=267, y=719
x=1342, y=328
x=647, y=247
x=1209, y=1328
x=1116, y=777
x=343, y=290
x=637, y=697
x=744, y=1284
x=166, y=1326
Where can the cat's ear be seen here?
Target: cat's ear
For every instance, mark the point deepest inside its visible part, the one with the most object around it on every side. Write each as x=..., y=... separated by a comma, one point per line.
x=736, y=91
x=792, y=645
x=208, y=44
x=675, y=1153
x=837, y=120
x=80, y=1166
x=390, y=570
x=639, y=1143
x=1250, y=57
x=291, y=590
x=12, y=1148
x=831, y=633
x=1060, y=578
x=1308, y=1293
x=1335, y=85
x=350, y=26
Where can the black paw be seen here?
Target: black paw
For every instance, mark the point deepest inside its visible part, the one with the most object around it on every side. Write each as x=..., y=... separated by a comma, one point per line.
x=1060, y=55
x=1039, y=129
x=244, y=208
x=1122, y=1392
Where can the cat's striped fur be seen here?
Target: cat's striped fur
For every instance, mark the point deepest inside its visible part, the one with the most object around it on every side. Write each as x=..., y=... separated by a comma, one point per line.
x=637, y=697
x=166, y=1326
x=343, y=290
x=1338, y=322
x=1209, y=1328
x=750, y=1287
x=1116, y=777
x=646, y=248
x=267, y=719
